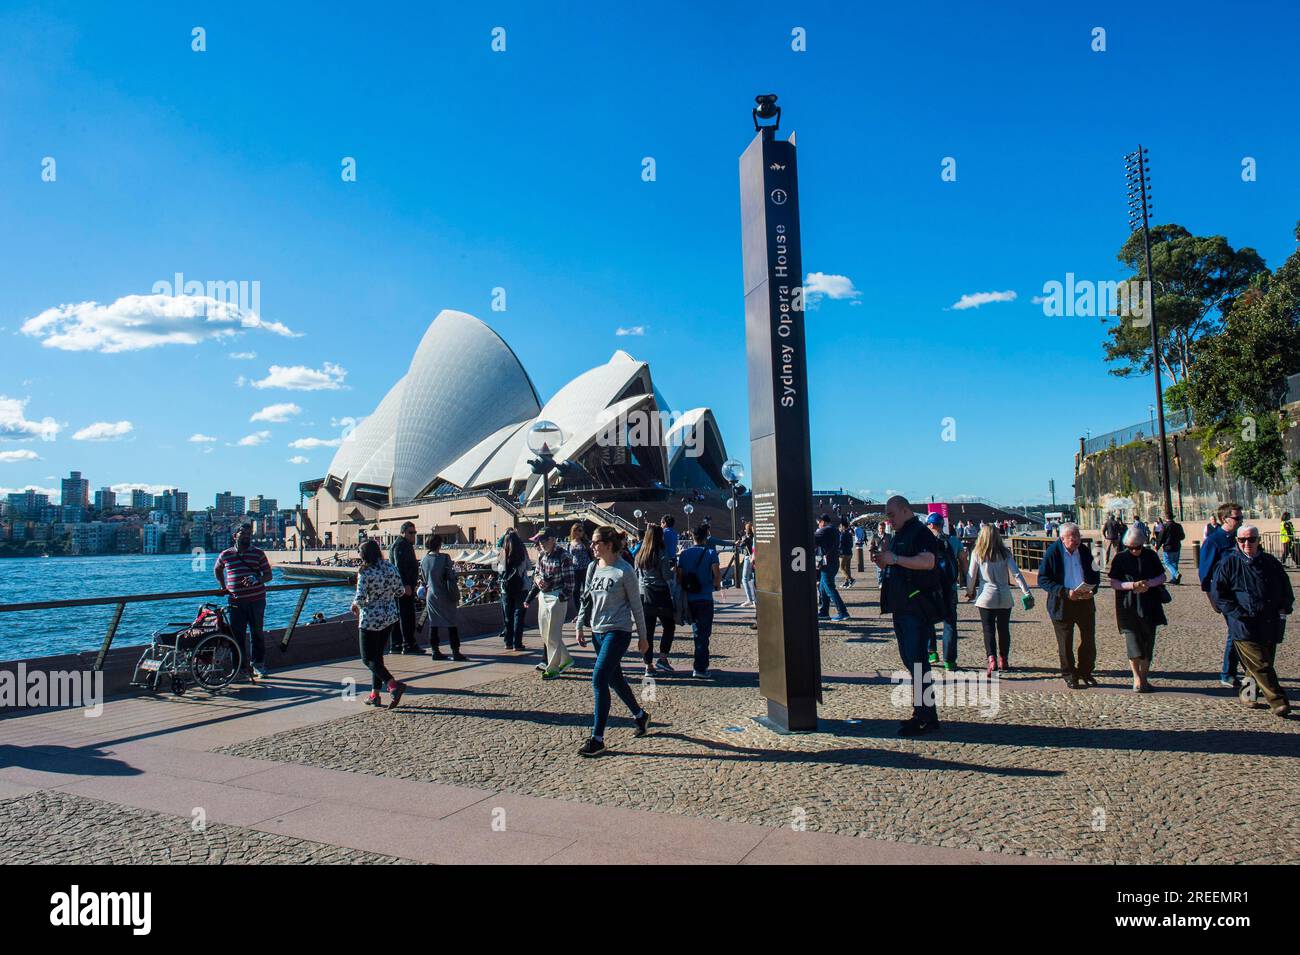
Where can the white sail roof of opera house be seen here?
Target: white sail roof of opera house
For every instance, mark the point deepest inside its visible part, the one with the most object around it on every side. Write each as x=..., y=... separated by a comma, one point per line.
x=463, y=386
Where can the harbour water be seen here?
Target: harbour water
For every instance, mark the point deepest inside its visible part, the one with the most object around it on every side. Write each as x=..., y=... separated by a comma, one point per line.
x=46, y=632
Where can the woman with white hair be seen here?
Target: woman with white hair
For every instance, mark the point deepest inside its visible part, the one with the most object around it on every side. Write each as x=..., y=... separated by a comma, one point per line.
x=1138, y=579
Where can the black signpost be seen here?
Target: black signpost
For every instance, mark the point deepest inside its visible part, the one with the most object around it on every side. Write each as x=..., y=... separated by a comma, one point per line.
x=789, y=654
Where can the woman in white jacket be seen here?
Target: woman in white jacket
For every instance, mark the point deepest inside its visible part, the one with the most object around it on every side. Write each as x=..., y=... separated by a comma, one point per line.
x=989, y=584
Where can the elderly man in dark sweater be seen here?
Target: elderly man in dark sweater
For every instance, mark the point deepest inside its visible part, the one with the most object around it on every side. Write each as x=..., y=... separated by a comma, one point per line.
x=1254, y=594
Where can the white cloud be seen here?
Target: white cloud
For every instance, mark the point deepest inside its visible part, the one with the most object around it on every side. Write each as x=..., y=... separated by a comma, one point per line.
x=201, y=438
x=128, y=488
x=819, y=285
x=242, y=355
x=9, y=457
x=15, y=424
x=631, y=330
x=976, y=299
x=300, y=378
x=252, y=440
x=305, y=444
x=53, y=492
x=277, y=414
x=104, y=431
x=299, y=459
x=134, y=322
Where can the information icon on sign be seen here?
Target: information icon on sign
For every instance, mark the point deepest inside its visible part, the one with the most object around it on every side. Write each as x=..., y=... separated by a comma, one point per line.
x=779, y=197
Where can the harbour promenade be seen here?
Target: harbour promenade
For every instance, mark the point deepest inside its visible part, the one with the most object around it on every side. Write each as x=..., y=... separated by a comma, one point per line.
x=479, y=763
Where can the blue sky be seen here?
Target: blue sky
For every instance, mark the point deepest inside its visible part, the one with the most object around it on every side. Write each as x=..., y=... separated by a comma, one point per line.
x=522, y=170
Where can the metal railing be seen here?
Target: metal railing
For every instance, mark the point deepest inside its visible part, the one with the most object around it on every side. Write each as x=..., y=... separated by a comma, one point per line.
x=119, y=603
x=1175, y=421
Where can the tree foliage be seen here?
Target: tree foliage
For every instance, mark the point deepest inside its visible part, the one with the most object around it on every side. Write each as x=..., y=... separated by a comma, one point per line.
x=1238, y=376
x=1197, y=279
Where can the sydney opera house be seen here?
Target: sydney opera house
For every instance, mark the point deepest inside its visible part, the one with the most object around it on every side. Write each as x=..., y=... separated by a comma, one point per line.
x=448, y=446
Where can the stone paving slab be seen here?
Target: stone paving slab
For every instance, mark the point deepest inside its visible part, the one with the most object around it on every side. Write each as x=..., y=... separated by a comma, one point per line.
x=414, y=837
x=430, y=800
x=173, y=795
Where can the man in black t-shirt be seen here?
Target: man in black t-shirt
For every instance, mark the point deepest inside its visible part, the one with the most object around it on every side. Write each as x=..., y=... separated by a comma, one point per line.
x=907, y=593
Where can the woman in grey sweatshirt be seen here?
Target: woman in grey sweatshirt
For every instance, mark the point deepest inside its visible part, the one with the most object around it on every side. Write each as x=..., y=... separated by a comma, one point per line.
x=611, y=606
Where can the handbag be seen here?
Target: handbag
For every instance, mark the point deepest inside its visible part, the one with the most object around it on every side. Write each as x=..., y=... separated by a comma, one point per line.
x=1026, y=601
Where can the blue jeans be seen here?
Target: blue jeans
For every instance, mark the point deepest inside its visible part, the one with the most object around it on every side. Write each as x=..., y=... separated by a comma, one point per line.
x=949, y=638
x=914, y=634
x=1170, y=559
x=247, y=617
x=512, y=607
x=827, y=593
x=1229, y=669
x=608, y=671
x=702, y=630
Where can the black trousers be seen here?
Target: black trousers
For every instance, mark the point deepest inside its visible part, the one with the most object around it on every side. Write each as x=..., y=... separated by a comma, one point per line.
x=453, y=638
x=997, y=631
x=653, y=613
x=372, y=655
x=404, y=638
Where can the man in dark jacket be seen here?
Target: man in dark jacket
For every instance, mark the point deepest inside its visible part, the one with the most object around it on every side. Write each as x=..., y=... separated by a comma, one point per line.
x=1217, y=545
x=402, y=556
x=846, y=551
x=1170, y=543
x=1255, y=595
x=827, y=540
x=1068, y=577
x=1113, y=531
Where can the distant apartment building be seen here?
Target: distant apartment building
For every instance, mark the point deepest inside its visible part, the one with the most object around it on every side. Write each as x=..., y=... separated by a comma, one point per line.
x=263, y=506
x=105, y=499
x=141, y=500
x=230, y=505
x=95, y=537
x=129, y=538
x=72, y=513
x=28, y=505
x=76, y=491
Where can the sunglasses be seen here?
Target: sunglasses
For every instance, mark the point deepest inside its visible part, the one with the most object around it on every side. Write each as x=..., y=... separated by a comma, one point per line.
x=1247, y=540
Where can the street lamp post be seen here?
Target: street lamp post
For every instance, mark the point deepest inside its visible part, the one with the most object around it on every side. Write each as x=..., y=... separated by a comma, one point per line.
x=689, y=509
x=1138, y=175
x=543, y=439
x=733, y=471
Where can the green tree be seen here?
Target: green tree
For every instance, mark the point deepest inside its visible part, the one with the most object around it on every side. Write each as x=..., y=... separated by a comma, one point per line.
x=1196, y=280
x=1238, y=377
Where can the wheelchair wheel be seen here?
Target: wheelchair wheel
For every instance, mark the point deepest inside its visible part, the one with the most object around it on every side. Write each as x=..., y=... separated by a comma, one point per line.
x=153, y=663
x=215, y=661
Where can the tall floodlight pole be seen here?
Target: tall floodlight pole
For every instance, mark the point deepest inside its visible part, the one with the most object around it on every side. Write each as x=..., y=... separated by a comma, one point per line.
x=1137, y=166
x=789, y=648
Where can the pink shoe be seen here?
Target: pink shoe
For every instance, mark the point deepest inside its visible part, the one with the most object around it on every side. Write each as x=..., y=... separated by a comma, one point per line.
x=397, y=689
x=993, y=663
x=374, y=700
x=1002, y=664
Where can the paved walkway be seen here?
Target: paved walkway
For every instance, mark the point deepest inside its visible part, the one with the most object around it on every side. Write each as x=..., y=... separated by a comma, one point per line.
x=479, y=765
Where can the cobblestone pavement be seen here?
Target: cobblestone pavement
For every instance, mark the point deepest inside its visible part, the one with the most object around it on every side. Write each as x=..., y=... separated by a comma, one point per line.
x=1081, y=775
x=53, y=828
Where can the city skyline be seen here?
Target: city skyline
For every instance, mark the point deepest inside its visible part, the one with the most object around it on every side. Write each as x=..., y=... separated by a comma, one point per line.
x=931, y=194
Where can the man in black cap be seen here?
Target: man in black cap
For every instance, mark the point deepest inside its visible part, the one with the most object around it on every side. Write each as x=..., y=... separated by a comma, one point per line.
x=827, y=541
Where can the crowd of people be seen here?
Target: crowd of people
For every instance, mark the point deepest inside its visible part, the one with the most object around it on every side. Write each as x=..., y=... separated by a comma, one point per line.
x=619, y=590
